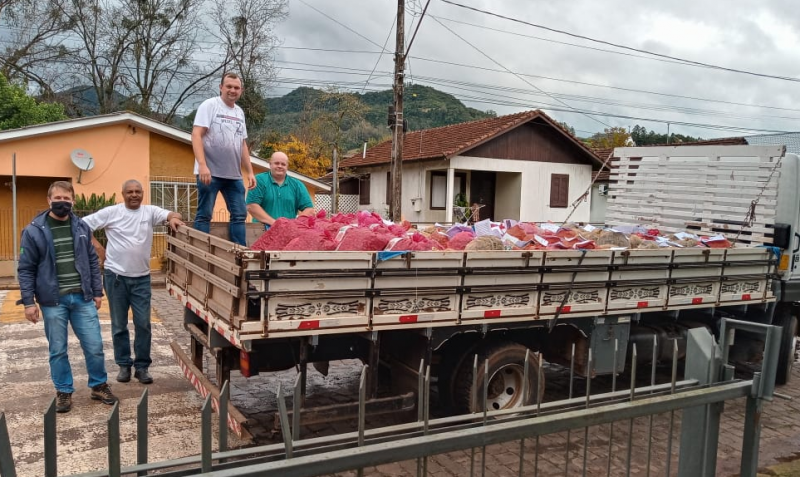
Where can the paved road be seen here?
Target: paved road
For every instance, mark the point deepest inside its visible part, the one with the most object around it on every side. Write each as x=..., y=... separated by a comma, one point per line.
x=174, y=419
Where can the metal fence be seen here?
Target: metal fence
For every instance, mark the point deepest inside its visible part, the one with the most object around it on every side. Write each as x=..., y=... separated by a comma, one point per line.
x=592, y=434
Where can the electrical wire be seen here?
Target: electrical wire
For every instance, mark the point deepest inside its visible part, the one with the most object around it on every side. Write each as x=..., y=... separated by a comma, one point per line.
x=624, y=47
x=508, y=70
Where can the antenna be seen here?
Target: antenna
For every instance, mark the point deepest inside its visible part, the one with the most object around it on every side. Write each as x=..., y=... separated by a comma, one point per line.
x=82, y=160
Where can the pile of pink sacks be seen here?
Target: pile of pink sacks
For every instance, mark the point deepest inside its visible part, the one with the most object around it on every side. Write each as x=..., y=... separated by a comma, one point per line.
x=369, y=232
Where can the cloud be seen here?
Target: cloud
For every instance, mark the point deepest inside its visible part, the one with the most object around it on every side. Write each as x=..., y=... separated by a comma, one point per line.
x=757, y=37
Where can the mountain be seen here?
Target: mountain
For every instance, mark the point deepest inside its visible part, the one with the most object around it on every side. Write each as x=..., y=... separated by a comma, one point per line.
x=423, y=107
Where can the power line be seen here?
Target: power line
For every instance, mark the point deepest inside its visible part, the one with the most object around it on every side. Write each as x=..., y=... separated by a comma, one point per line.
x=338, y=22
x=550, y=40
x=508, y=70
x=380, y=55
x=624, y=47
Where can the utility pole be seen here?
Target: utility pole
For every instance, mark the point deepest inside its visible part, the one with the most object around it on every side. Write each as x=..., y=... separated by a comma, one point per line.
x=335, y=188
x=396, y=203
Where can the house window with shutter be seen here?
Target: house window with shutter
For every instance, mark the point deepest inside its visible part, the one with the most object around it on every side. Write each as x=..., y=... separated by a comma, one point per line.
x=559, y=190
x=363, y=190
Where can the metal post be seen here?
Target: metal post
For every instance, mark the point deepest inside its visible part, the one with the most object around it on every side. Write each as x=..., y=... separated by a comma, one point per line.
x=335, y=184
x=205, y=435
x=224, y=399
x=697, y=444
x=14, y=211
x=50, y=441
x=752, y=436
x=114, y=455
x=141, y=431
x=6, y=457
x=396, y=205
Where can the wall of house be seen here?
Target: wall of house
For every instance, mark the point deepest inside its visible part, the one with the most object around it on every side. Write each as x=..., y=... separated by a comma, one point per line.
x=535, y=185
x=120, y=153
x=171, y=158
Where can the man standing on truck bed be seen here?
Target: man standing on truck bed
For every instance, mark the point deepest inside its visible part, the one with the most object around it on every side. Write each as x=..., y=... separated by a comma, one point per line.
x=129, y=229
x=277, y=195
x=58, y=266
x=220, y=149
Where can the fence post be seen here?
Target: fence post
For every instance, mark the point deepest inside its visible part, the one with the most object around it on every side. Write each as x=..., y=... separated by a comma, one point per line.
x=700, y=425
x=6, y=457
x=50, y=441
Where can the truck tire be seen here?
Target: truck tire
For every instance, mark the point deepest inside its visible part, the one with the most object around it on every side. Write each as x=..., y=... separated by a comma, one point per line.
x=506, y=376
x=788, y=322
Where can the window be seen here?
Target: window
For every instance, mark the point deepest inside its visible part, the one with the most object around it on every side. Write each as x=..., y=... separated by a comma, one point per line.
x=363, y=190
x=438, y=190
x=559, y=190
x=438, y=199
x=175, y=196
x=389, y=187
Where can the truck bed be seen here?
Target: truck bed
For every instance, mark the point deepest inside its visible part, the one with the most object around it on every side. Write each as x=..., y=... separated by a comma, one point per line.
x=246, y=295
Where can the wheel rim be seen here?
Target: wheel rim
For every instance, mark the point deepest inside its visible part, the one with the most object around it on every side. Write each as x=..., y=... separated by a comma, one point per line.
x=505, y=388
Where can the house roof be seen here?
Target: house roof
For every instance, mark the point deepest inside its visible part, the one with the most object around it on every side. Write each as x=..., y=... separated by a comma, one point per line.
x=126, y=117
x=448, y=141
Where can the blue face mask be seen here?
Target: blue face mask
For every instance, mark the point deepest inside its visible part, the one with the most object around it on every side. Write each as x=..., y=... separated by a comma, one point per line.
x=60, y=209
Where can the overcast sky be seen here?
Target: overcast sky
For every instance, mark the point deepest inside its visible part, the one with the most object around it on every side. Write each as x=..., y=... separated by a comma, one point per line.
x=760, y=37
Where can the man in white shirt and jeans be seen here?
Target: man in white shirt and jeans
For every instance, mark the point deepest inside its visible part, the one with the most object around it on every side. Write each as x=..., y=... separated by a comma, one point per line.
x=126, y=279
x=219, y=142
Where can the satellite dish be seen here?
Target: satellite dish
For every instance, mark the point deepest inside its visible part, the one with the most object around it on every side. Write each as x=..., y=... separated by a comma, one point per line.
x=82, y=160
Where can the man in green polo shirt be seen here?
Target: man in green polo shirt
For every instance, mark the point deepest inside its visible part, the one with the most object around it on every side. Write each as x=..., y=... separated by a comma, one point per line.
x=277, y=195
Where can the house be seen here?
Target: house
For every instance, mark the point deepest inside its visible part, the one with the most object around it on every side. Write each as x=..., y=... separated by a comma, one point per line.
x=122, y=146
x=522, y=166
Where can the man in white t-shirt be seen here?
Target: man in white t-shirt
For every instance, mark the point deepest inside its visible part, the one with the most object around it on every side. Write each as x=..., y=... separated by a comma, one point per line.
x=126, y=280
x=220, y=149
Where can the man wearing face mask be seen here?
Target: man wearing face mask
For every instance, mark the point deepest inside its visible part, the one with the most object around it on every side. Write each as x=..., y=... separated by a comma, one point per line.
x=59, y=270
x=129, y=229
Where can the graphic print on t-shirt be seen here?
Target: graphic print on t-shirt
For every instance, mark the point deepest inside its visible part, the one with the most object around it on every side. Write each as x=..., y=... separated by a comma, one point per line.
x=226, y=131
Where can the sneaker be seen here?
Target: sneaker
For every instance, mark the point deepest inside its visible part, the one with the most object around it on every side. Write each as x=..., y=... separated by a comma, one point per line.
x=102, y=392
x=143, y=376
x=124, y=374
x=63, y=401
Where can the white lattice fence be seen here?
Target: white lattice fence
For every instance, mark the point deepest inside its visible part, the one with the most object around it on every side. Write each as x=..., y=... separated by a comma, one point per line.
x=347, y=202
x=701, y=188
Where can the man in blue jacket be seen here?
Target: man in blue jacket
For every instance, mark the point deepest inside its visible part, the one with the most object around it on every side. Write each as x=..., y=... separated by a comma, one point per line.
x=59, y=268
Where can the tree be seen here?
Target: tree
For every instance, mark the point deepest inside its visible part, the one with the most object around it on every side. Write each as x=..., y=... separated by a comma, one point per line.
x=567, y=127
x=103, y=34
x=160, y=60
x=610, y=137
x=17, y=109
x=32, y=50
x=303, y=158
x=245, y=29
x=642, y=137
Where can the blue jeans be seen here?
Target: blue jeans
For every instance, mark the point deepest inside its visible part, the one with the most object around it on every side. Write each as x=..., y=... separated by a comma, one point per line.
x=233, y=193
x=72, y=308
x=129, y=293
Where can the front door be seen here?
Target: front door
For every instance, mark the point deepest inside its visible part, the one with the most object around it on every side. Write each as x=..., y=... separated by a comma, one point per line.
x=482, y=189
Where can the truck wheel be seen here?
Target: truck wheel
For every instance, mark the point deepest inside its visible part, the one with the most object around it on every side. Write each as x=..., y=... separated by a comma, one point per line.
x=788, y=322
x=506, y=378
